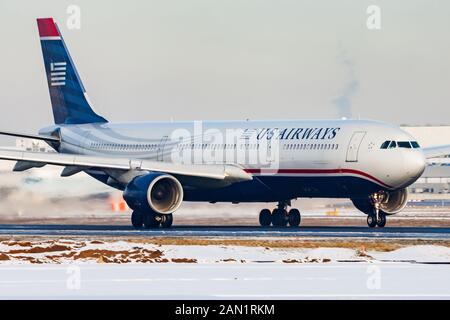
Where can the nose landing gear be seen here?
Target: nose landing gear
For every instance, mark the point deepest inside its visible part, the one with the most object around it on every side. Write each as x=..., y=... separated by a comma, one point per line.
x=374, y=220
x=280, y=216
x=377, y=217
x=381, y=221
x=371, y=220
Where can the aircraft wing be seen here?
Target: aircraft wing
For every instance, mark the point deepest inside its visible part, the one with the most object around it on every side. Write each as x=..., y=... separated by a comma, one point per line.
x=436, y=151
x=25, y=159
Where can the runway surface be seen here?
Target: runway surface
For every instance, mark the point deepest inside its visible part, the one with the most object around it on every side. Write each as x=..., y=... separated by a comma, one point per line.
x=228, y=231
x=248, y=281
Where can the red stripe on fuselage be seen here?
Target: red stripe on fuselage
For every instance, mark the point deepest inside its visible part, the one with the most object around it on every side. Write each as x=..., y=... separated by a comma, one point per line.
x=316, y=171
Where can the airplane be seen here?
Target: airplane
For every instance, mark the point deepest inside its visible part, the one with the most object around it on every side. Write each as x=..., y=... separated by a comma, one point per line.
x=158, y=165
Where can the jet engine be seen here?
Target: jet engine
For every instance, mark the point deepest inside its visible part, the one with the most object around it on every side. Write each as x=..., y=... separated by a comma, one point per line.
x=159, y=192
x=390, y=202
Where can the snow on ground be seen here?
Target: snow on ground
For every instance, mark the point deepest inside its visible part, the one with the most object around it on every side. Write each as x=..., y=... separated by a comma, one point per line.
x=119, y=252
x=415, y=253
x=133, y=269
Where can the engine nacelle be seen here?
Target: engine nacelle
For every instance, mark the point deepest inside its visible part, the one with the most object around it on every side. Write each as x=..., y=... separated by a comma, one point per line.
x=395, y=201
x=390, y=202
x=159, y=192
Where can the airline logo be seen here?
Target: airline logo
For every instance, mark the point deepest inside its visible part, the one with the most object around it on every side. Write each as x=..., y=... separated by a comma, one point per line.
x=291, y=133
x=58, y=74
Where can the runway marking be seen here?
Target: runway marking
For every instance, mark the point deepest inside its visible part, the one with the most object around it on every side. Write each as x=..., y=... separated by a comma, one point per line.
x=230, y=231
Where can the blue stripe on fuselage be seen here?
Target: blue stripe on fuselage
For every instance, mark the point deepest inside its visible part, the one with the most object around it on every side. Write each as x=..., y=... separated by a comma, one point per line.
x=275, y=188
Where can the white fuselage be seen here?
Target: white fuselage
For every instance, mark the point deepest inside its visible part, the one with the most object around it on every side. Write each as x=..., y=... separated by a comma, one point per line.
x=273, y=149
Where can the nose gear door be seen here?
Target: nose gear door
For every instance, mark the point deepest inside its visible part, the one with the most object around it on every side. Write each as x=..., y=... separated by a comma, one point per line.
x=353, y=146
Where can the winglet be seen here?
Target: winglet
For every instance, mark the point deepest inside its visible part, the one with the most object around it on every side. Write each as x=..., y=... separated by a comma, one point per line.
x=47, y=28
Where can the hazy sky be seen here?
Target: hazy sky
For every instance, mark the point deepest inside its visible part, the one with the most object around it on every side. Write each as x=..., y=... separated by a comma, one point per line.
x=235, y=59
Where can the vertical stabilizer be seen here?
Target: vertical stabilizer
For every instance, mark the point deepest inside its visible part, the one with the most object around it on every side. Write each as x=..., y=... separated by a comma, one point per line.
x=68, y=97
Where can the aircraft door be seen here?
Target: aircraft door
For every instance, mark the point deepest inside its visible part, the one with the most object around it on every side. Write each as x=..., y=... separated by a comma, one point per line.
x=353, y=146
x=160, y=151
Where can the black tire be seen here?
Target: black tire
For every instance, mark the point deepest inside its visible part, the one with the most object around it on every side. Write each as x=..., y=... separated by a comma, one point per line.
x=137, y=219
x=279, y=218
x=371, y=220
x=265, y=218
x=150, y=220
x=381, y=222
x=294, y=217
x=166, y=220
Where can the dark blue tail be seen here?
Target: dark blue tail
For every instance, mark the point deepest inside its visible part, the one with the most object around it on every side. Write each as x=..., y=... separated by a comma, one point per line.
x=68, y=96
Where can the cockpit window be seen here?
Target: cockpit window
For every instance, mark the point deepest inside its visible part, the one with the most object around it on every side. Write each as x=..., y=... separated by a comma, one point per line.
x=388, y=144
x=404, y=144
x=415, y=144
x=385, y=144
x=393, y=145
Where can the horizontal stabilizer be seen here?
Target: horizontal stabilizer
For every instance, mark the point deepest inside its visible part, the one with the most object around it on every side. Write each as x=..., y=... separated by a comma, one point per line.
x=30, y=136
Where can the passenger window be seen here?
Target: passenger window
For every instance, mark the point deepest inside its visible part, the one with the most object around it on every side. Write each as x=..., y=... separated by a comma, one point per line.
x=393, y=145
x=404, y=144
x=385, y=144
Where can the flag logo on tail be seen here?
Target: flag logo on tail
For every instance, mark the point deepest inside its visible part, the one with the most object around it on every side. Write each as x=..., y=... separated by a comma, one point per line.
x=58, y=73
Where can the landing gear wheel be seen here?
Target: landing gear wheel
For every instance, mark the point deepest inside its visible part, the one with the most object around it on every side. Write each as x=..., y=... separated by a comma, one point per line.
x=150, y=220
x=371, y=220
x=265, y=218
x=279, y=218
x=166, y=220
x=381, y=221
x=294, y=217
x=137, y=219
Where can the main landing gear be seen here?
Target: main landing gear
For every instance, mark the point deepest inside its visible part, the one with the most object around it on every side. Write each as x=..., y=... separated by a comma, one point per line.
x=280, y=216
x=150, y=220
x=377, y=217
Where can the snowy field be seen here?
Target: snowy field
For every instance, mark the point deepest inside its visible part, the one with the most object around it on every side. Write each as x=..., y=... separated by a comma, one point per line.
x=87, y=252
x=76, y=269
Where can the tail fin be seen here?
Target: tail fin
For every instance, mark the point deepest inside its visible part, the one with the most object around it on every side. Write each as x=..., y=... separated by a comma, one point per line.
x=69, y=100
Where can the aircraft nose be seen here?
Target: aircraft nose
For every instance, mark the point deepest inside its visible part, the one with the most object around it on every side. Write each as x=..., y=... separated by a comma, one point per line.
x=414, y=163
